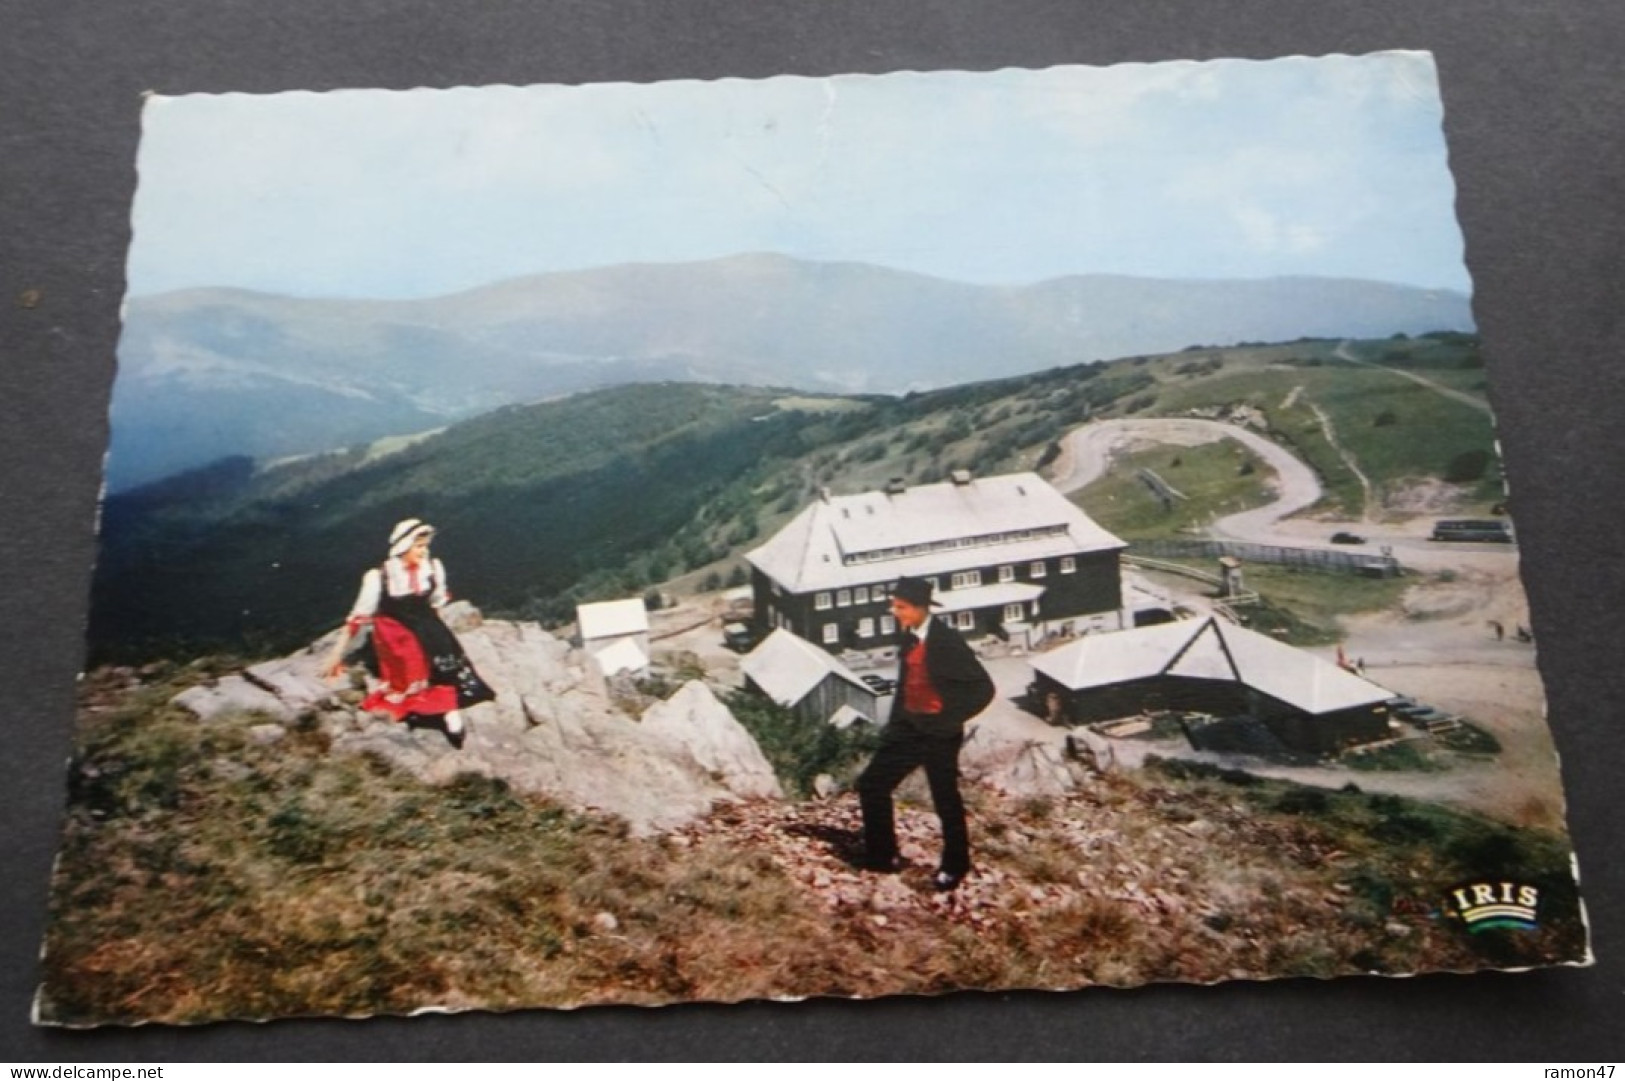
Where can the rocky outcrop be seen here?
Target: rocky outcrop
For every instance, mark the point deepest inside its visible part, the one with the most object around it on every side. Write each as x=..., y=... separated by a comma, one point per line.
x=694, y=724
x=554, y=729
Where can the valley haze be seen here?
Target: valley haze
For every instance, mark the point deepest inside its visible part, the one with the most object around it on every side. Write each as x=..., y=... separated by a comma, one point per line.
x=209, y=373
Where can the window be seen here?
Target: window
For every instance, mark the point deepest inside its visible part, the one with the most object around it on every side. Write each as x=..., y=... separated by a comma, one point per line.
x=821, y=601
x=860, y=595
x=832, y=633
x=843, y=598
x=967, y=579
x=1039, y=570
x=965, y=621
x=866, y=628
x=1069, y=565
x=888, y=625
x=881, y=590
x=1013, y=613
x=1007, y=574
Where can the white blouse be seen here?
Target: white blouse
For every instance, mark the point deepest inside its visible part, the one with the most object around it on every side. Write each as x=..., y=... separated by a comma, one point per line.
x=404, y=581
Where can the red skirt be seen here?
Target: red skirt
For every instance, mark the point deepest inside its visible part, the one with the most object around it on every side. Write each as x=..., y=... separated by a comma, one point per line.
x=405, y=673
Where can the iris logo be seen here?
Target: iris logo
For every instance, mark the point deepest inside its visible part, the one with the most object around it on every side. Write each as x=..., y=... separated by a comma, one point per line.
x=1483, y=905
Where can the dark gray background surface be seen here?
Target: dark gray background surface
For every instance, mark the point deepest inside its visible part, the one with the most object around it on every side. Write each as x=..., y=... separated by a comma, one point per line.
x=1534, y=98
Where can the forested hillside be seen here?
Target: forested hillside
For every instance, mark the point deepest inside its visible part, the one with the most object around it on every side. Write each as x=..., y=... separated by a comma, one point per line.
x=612, y=492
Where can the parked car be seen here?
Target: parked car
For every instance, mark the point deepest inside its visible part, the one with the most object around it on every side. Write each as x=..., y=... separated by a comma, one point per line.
x=879, y=684
x=1422, y=716
x=1343, y=537
x=738, y=637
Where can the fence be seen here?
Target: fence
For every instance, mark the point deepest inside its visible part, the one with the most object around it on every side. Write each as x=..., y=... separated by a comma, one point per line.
x=1246, y=596
x=1379, y=566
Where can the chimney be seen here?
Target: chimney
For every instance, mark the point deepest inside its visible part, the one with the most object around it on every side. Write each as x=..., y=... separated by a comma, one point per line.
x=823, y=493
x=960, y=476
x=896, y=486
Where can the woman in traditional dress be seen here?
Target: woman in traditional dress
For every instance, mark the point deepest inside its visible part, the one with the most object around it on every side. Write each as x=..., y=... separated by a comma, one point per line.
x=422, y=670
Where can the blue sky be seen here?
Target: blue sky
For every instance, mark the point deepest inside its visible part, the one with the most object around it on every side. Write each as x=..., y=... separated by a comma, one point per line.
x=1331, y=166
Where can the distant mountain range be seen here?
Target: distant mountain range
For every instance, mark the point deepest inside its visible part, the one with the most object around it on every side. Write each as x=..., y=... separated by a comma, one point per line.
x=207, y=373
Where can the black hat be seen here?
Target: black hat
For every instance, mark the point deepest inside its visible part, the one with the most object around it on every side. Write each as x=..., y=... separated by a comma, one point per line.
x=916, y=591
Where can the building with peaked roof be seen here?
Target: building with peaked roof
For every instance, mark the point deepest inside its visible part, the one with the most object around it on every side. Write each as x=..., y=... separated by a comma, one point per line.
x=1211, y=666
x=808, y=681
x=1010, y=555
x=606, y=624
x=623, y=655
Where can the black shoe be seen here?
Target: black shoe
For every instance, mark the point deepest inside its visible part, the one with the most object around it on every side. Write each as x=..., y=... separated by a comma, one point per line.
x=456, y=738
x=947, y=881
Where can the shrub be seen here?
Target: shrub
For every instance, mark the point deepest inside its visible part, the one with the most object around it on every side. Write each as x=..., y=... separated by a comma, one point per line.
x=1467, y=466
x=800, y=750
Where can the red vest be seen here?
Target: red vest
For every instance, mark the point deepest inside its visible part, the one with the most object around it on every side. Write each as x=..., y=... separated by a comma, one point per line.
x=919, y=696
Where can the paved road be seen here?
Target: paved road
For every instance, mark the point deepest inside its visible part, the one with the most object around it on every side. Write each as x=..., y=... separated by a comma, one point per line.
x=1438, y=648
x=1086, y=453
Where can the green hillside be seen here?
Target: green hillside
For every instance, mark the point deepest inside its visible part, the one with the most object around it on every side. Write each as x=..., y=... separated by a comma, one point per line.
x=1397, y=430
x=612, y=492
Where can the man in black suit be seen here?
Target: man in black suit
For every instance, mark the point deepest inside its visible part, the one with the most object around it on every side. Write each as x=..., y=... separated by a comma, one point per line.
x=940, y=686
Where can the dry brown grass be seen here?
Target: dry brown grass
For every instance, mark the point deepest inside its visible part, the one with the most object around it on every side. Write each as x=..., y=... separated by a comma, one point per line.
x=205, y=876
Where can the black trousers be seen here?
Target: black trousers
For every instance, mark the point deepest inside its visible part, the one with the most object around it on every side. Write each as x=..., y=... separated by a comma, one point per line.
x=908, y=742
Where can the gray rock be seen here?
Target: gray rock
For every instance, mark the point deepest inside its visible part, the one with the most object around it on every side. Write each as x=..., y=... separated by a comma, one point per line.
x=266, y=734
x=229, y=769
x=694, y=720
x=553, y=731
x=461, y=617
x=296, y=679
x=232, y=694
x=1017, y=763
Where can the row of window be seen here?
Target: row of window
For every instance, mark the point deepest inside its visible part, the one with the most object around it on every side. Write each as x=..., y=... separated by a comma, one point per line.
x=965, y=621
x=844, y=598
x=1013, y=536
x=866, y=629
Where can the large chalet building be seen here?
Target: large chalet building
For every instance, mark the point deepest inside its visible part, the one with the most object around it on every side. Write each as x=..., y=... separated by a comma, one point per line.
x=1009, y=555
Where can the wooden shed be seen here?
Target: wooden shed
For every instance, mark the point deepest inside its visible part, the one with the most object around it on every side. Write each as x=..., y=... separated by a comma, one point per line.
x=1211, y=666
x=811, y=683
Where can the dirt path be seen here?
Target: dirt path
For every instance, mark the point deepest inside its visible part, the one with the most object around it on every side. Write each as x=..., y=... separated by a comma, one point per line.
x=1342, y=353
x=1367, y=497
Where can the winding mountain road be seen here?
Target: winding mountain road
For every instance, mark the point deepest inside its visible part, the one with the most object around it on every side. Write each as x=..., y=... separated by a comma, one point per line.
x=1087, y=451
x=1086, y=454
x=1436, y=644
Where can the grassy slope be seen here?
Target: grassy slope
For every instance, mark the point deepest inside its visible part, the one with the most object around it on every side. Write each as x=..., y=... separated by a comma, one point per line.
x=205, y=876
x=1421, y=434
x=1216, y=478
x=609, y=493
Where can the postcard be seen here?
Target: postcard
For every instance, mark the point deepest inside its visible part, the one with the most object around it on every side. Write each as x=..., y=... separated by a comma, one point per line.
x=812, y=536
